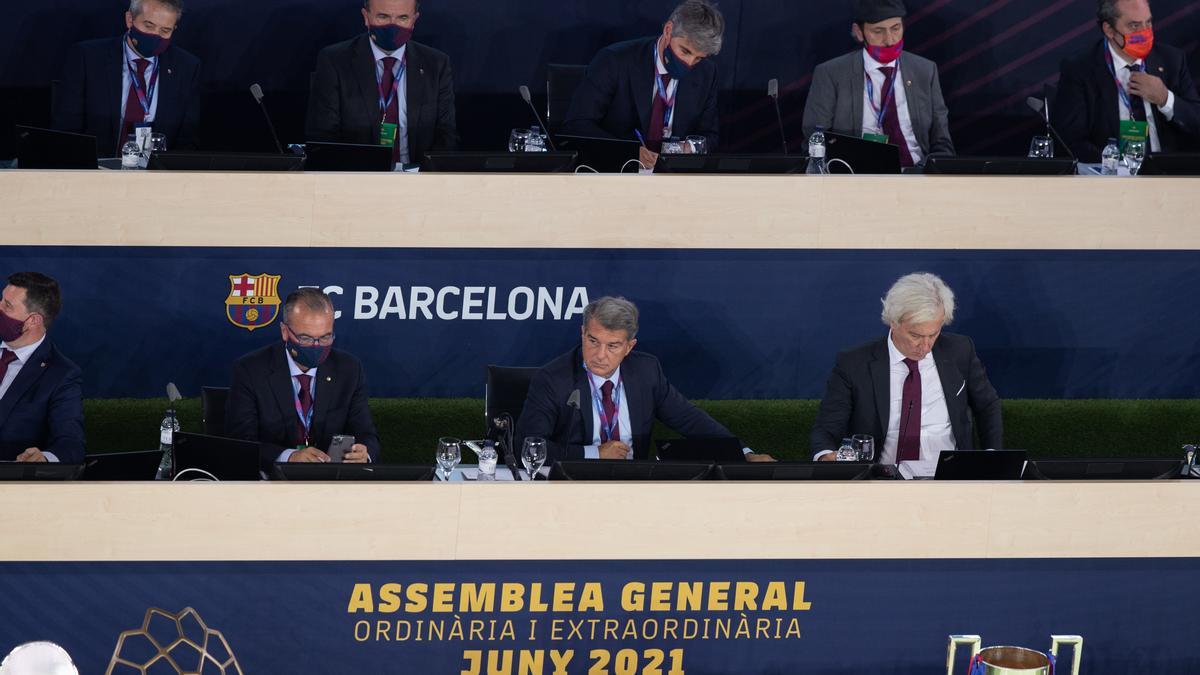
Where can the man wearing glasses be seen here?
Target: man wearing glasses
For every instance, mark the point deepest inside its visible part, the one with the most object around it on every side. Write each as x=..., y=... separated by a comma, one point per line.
x=294, y=396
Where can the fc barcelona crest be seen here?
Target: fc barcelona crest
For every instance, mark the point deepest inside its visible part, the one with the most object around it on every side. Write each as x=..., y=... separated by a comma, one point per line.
x=253, y=300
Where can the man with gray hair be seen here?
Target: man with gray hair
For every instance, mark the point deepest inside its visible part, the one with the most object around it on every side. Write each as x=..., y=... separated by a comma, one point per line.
x=294, y=395
x=600, y=400
x=111, y=87
x=655, y=88
x=919, y=390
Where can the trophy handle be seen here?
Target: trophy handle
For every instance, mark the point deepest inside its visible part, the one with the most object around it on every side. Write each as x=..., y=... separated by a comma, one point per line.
x=955, y=640
x=1076, y=641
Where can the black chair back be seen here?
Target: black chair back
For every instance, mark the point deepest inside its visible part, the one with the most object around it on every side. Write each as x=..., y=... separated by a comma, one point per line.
x=505, y=392
x=561, y=82
x=212, y=409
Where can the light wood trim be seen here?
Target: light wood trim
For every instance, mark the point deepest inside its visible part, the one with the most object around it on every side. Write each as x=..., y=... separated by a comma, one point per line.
x=113, y=208
x=557, y=521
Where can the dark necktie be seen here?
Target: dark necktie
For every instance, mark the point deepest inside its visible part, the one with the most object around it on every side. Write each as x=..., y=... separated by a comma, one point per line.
x=6, y=357
x=610, y=411
x=134, y=113
x=1137, y=109
x=909, y=447
x=392, y=114
x=658, y=115
x=891, y=117
x=306, y=402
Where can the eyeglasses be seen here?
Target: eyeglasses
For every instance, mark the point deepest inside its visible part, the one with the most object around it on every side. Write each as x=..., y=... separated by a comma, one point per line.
x=309, y=341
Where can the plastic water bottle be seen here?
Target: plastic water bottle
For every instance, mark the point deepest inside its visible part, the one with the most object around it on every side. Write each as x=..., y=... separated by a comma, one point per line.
x=487, y=461
x=816, y=152
x=1110, y=159
x=166, y=443
x=131, y=156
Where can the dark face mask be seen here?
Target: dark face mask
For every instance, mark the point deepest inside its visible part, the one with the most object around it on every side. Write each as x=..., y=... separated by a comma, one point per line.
x=147, y=44
x=391, y=37
x=10, y=329
x=308, y=357
x=676, y=68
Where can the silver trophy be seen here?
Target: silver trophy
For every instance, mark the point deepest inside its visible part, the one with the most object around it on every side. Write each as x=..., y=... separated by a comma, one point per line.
x=1012, y=660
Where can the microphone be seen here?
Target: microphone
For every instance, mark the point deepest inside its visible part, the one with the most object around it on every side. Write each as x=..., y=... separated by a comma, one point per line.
x=529, y=100
x=573, y=400
x=1041, y=106
x=773, y=92
x=257, y=92
x=504, y=422
x=173, y=392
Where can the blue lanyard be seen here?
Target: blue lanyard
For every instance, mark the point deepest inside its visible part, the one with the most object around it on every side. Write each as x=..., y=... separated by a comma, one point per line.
x=668, y=103
x=144, y=91
x=1112, y=68
x=608, y=426
x=881, y=111
x=384, y=104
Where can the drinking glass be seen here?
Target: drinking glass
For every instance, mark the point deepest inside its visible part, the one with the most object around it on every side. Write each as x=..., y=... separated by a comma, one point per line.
x=449, y=454
x=517, y=140
x=846, y=451
x=699, y=144
x=1135, y=154
x=1042, y=147
x=675, y=146
x=536, y=141
x=533, y=455
x=864, y=447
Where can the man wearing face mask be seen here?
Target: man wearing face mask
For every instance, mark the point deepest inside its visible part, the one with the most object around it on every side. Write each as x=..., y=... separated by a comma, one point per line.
x=654, y=88
x=112, y=86
x=1127, y=86
x=882, y=92
x=295, y=395
x=382, y=88
x=917, y=391
x=41, y=400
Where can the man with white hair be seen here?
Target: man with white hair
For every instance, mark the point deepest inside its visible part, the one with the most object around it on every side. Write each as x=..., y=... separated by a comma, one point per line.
x=919, y=390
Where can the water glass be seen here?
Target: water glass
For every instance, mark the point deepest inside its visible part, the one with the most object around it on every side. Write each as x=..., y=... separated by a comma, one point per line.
x=487, y=462
x=846, y=451
x=674, y=146
x=1042, y=147
x=536, y=141
x=864, y=447
x=699, y=145
x=449, y=454
x=517, y=140
x=1135, y=154
x=533, y=455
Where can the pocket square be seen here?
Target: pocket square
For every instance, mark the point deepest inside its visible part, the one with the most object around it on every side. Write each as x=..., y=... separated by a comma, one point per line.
x=960, y=389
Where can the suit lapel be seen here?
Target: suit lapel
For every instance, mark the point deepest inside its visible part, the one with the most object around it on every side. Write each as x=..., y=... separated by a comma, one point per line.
x=881, y=378
x=917, y=102
x=280, y=379
x=167, y=87
x=366, y=86
x=642, y=81
x=414, y=88
x=951, y=380
x=585, y=402
x=327, y=383
x=30, y=372
x=114, y=92
x=1109, y=98
x=858, y=76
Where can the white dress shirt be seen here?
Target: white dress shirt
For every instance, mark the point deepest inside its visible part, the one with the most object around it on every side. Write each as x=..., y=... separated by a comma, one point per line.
x=131, y=57
x=936, y=432
x=870, y=123
x=1121, y=64
x=294, y=370
x=661, y=67
x=23, y=354
x=625, y=430
x=401, y=96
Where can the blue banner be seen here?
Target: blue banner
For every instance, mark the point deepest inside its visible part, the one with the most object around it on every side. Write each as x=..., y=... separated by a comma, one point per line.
x=695, y=617
x=726, y=324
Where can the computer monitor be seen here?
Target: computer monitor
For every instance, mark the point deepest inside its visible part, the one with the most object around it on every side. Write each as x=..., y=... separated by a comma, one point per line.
x=605, y=155
x=708, y=450
x=200, y=457
x=223, y=161
x=1001, y=166
x=352, y=472
x=1104, y=469
x=731, y=164
x=635, y=470
x=139, y=465
x=39, y=148
x=816, y=471
x=499, y=162
x=346, y=157
x=38, y=471
x=980, y=465
x=862, y=156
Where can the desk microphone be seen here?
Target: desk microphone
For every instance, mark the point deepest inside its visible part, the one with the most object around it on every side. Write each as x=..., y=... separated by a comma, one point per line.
x=504, y=422
x=257, y=92
x=1042, y=108
x=773, y=92
x=528, y=99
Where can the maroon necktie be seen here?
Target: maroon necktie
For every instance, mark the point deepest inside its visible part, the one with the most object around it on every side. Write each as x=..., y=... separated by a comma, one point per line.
x=305, y=409
x=6, y=357
x=909, y=447
x=392, y=114
x=658, y=116
x=134, y=113
x=891, y=118
x=610, y=411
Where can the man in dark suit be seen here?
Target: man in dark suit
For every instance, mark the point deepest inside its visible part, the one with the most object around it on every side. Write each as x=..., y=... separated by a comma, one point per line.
x=294, y=396
x=916, y=392
x=1127, y=83
x=381, y=88
x=41, y=400
x=658, y=87
x=881, y=91
x=600, y=400
x=111, y=86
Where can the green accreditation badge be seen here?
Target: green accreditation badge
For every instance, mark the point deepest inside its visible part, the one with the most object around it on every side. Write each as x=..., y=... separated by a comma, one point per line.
x=875, y=138
x=387, y=134
x=1132, y=130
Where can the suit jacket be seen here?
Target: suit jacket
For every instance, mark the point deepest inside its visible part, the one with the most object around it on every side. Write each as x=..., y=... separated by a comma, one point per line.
x=88, y=99
x=261, y=406
x=617, y=96
x=567, y=428
x=343, y=106
x=43, y=408
x=1086, y=112
x=858, y=395
x=835, y=100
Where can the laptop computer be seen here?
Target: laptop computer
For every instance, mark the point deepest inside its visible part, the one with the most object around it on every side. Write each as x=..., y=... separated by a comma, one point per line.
x=39, y=148
x=220, y=458
x=628, y=470
x=700, y=450
x=731, y=164
x=17, y=471
x=794, y=471
x=223, y=161
x=1171, y=164
x=346, y=157
x=863, y=156
x=355, y=472
x=605, y=155
x=1104, y=469
x=1001, y=166
x=140, y=465
x=980, y=465
x=499, y=162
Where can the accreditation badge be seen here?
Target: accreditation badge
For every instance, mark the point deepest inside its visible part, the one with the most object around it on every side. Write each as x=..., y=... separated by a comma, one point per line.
x=875, y=138
x=1132, y=130
x=387, y=134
